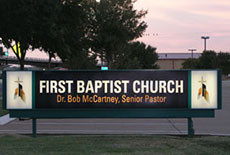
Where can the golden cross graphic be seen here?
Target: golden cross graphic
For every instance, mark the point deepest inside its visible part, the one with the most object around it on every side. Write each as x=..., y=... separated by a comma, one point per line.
x=18, y=81
x=202, y=80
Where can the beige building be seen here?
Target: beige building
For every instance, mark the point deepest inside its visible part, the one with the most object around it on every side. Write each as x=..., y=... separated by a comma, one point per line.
x=174, y=60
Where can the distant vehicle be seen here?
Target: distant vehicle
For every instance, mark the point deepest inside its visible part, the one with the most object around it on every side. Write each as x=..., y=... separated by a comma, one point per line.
x=60, y=68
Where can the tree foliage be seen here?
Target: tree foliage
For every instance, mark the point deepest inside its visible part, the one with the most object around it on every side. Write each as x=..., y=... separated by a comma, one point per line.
x=81, y=60
x=25, y=23
x=48, y=25
x=190, y=63
x=77, y=31
x=113, y=24
x=78, y=54
x=223, y=62
x=210, y=60
x=137, y=55
x=16, y=26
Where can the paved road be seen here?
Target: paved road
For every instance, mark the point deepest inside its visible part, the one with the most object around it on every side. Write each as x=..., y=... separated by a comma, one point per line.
x=220, y=125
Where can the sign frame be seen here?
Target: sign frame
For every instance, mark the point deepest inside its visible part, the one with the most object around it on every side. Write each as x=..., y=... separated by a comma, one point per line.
x=219, y=104
x=117, y=112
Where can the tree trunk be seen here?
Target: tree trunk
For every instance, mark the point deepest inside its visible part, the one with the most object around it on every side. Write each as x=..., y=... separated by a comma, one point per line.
x=109, y=63
x=49, y=63
x=21, y=64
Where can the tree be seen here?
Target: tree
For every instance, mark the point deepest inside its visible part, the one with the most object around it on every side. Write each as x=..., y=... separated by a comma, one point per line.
x=70, y=29
x=48, y=32
x=53, y=26
x=12, y=28
x=208, y=60
x=136, y=55
x=25, y=23
x=223, y=61
x=112, y=25
x=190, y=63
x=68, y=39
x=74, y=23
x=81, y=60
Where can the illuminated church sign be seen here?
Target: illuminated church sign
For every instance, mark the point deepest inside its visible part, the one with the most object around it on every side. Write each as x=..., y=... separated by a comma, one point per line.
x=181, y=89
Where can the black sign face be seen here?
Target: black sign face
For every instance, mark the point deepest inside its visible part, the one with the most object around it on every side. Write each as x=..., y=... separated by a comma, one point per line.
x=111, y=89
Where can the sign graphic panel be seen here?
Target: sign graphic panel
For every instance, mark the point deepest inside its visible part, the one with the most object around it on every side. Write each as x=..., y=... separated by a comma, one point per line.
x=19, y=90
x=111, y=89
x=204, y=90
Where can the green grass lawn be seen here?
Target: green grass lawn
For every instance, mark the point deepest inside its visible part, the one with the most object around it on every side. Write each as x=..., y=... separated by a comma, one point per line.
x=2, y=112
x=113, y=144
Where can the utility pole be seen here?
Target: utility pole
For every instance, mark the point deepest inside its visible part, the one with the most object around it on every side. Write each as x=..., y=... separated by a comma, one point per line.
x=192, y=50
x=205, y=38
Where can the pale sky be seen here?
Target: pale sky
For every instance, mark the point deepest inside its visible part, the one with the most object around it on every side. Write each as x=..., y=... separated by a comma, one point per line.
x=181, y=23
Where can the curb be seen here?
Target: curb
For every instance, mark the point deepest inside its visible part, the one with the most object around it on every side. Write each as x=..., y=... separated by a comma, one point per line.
x=6, y=119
